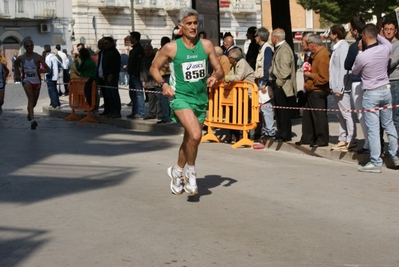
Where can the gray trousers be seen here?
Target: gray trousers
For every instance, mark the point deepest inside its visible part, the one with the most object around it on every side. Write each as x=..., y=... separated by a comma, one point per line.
x=347, y=129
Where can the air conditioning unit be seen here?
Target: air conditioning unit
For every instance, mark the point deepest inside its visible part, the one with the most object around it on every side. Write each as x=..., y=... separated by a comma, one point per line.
x=44, y=28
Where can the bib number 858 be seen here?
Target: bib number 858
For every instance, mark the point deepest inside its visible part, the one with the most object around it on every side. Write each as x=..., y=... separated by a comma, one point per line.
x=194, y=75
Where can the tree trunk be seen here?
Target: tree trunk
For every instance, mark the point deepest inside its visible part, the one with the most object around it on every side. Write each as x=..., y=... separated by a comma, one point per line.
x=281, y=18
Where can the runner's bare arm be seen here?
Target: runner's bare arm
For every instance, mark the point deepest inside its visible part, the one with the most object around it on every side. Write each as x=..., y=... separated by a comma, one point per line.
x=217, y=74
x=17, y=70
x=167, y=52
x=43, y=63
x=6, y=71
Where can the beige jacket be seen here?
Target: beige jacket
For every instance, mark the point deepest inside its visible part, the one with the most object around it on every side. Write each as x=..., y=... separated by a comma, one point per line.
x=283, y=68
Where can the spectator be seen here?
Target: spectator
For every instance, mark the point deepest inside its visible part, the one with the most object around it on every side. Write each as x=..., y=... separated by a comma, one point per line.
x=389, y=30
x=87, y=68
x=262, y=65
x=111, y=67
x=341, y=88
x=148, y=83
x=223, y=59
x=228, y=44
x=315, y=123
x=51, y=77
x=73, y=73
x=133, y=68
x=357, y=24
x=165, y=73
x=65, y=71
x=100, y=77
x=371, y=64
x=239, y=71
x=253, y=48
x=202, y=35
x=283, y=75
x=123, y=76
x=13, y=70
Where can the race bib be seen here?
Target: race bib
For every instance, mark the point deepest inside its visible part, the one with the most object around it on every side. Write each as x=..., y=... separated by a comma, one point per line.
x=30, y=74
x=194, y=71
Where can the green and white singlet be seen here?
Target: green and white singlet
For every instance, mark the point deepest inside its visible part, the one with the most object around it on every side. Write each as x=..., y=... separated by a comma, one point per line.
x=189, y=74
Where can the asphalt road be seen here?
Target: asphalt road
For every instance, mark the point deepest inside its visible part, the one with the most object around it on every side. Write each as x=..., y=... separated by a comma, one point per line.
x=75, y=194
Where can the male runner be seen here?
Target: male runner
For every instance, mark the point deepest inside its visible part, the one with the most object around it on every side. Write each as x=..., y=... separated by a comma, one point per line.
x=189, y=80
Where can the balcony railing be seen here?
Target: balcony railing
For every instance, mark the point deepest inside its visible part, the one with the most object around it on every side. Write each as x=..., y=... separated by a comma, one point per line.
x=176, y=4
x=149, y=4
x=243, y=6
x=35, y=9
x=112, y=3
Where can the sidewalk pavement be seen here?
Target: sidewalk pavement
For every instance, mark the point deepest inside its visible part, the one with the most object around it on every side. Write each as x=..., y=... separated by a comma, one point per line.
x=175, y=128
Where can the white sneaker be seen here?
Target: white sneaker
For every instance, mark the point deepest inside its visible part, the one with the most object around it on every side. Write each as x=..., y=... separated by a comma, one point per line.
x=370, y=167
x=175, y=183
x=190, y=183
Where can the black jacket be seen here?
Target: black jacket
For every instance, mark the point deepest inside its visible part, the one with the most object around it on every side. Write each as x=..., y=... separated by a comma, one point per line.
x=112, y=62
x=135, y=56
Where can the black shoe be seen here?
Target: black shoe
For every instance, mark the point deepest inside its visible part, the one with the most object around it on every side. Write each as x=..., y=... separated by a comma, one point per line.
x=281, y=140
x=33, y=125
x=314, y=145
x=268, y=137
x=115, y=116
x=363, y=151
x=298, y=143
x=162, y=121
x=129, y=104
x=104, y=114
x=149, y=118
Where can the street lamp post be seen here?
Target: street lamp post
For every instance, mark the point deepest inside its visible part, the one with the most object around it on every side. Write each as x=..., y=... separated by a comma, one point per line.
x=132, y=13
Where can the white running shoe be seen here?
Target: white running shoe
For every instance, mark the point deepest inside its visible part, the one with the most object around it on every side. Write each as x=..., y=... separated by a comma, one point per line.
x=175, y=183
x=190, y=183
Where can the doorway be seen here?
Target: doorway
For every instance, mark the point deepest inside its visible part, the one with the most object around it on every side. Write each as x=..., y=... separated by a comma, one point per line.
x=10, y=45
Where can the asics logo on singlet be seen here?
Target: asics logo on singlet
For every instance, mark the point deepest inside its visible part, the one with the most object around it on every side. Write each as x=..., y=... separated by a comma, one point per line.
x=193, y=56
x=195, y=66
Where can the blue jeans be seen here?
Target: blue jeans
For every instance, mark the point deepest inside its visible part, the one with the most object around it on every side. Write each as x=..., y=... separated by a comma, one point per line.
x=164, y=102
x=123, y=77
x=395, y=101
x=379, y=97
x=136, y=96
x=268, y=116
x=53, y=93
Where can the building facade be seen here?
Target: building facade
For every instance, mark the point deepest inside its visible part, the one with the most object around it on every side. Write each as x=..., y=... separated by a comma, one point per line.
x=43, y=21
x=69, y=22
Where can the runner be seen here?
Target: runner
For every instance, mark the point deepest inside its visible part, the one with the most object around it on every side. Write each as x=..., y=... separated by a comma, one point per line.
x=32, y=65
x=188, y=57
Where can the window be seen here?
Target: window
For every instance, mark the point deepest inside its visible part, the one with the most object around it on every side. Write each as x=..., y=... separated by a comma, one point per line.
x=20, y=6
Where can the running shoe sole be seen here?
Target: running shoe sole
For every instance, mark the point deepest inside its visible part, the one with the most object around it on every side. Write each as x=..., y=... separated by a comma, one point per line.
x=188, y=191
x=172, y=183
x=33, y=125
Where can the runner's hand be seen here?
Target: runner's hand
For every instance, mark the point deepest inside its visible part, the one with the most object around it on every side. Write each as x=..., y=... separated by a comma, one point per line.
x=167, y=91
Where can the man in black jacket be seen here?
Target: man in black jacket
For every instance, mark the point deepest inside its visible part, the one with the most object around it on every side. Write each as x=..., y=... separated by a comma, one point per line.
x=133, y=69
x=253, y=49
x=111, y=67
x=357, y=24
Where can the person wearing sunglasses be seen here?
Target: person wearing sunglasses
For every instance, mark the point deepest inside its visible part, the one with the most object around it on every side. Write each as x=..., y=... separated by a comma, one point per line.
x=32, y=65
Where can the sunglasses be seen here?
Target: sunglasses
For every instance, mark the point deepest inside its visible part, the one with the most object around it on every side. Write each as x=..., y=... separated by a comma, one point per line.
x=28, y=45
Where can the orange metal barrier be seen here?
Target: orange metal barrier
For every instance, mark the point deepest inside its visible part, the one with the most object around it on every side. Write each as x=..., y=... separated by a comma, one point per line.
x=77, y=99
x=229, y=108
